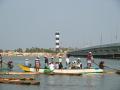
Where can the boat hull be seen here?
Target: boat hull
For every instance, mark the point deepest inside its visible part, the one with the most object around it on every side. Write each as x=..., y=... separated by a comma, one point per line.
x=62, y=71
x=19, y=81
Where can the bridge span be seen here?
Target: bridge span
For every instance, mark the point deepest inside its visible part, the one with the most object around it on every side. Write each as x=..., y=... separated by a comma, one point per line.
x=101, y=51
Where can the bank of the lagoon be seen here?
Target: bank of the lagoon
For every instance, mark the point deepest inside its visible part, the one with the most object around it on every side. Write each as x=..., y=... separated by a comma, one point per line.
x=11, y=54
x=105, y=81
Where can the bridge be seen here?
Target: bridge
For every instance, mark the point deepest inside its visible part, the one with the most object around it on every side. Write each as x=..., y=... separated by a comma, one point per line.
x=101, y=51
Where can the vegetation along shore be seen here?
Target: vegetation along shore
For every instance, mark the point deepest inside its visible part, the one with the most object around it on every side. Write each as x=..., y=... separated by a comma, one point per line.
x=34, y=52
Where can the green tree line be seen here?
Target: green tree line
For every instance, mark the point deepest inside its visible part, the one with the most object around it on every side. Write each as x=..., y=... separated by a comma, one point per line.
x=34, y=50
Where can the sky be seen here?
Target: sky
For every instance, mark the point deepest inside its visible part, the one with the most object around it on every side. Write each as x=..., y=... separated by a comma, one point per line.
x=81, y=23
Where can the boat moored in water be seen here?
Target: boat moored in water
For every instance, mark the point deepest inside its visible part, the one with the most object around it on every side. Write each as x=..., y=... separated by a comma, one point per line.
x=62, y=71
x=23, y=81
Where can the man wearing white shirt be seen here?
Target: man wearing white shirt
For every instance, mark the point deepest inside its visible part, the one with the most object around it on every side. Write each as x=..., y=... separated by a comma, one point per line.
x=67, y=62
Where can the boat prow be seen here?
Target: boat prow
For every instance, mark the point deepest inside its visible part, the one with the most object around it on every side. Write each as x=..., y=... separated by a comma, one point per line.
x=25, y=68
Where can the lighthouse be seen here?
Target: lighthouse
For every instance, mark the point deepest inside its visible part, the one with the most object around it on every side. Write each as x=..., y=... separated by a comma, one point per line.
x=57, y=41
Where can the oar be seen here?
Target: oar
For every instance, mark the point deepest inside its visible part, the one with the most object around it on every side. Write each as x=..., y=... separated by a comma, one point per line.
x=117, y=71
x=95, y=63
x=112, y=68
x=107, y=67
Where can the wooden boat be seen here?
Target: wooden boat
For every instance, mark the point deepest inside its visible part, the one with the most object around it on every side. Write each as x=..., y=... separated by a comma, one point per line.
x=62, y=71
x=18, y=73
x=24, y=81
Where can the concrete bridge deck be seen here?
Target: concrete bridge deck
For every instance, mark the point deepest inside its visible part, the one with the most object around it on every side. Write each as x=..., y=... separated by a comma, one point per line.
x=101, y=51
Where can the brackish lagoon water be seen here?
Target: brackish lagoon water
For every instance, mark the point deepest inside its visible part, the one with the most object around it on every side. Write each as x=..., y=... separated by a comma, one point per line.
x=107, y=81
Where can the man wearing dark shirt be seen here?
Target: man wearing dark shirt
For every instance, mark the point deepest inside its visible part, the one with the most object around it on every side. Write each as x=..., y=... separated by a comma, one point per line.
x=46, y=62
x=1, y=61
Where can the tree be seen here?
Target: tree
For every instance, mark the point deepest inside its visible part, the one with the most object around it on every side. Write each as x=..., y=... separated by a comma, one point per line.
x=18, y=50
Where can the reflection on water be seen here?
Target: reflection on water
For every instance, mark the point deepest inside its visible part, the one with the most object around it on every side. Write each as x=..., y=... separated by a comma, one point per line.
x=108, y=81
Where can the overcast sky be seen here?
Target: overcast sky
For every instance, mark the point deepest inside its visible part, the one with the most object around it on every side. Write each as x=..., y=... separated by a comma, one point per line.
x=81, y=23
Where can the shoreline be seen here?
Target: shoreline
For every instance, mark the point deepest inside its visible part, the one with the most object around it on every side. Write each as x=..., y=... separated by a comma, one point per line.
x=33, y=54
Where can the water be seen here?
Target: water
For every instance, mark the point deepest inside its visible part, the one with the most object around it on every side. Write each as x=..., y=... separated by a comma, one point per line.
x=108, y=81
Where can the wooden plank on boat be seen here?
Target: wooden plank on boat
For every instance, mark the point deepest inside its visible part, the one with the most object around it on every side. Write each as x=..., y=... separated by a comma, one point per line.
x=19, y=73
x=66, y=72
x=18, y=81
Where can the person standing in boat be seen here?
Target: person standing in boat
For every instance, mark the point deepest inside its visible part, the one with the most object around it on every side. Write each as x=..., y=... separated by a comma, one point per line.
x=46, y=62
x=60, y=59
x=37, y=64
x=60, y=62
x=27, y=63
x=67, y=62
x=60, y=65
x=52, y=59
x=1, y=60
x=10, y=65
x=89, y=60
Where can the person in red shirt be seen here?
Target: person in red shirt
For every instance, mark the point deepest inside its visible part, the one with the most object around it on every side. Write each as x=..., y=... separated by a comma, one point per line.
x=89, y=60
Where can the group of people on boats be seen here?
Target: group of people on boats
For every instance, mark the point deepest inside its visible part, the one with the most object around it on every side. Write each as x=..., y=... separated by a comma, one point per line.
x=52, y=64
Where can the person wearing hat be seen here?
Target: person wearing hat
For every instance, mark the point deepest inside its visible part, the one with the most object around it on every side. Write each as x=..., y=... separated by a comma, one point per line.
x=78, y=60
x=27, y=63
x=89, y=60
x=67, y=62
x=52, y=59
x=37, y=64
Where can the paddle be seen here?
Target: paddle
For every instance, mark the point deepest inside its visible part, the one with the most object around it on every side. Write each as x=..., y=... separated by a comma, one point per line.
x=95, y=63
x=107, y=67
x=116, y=70
x=112, y=68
